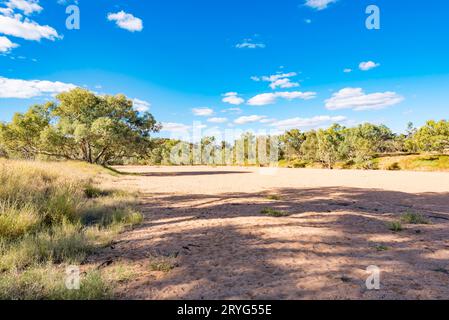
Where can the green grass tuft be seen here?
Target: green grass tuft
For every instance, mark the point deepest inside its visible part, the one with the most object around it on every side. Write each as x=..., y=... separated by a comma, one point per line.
x=414, y=218
x=163, y=264
x=395, y=226
x=52, y=215
x=274, y=213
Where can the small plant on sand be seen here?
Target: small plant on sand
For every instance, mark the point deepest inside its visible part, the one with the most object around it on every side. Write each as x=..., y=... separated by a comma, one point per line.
x=163, y=264
x=274, y=213
x=381, y=248
x=395, y=226
x=414, y=218
x=274, y=197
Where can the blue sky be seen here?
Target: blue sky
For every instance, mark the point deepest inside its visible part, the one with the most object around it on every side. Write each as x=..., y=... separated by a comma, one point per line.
x=231, y=64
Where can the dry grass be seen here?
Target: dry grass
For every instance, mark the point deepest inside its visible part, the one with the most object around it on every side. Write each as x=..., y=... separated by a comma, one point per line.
x=51, y=215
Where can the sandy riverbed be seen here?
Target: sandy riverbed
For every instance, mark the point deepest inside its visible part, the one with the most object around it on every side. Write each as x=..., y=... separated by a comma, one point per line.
x=208, y=223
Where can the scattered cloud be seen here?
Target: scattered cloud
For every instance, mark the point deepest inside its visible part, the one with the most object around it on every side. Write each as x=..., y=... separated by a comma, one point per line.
x=233, y=110
x=6, y=45
x=202, y=112
x=250, y=44
x=25, y=89
x=141, y=105
x=249, y=119
x=368, y=65
x=126, y=21
x=308, y=123
x=347, y=70
x=20, y=27
x=319, y=4
x=27, y=6
x=268, y=120
x=279, y=80
x=356, y=99
x=271, y=98
x=217, y=120
x=308, y=21
x=233, y=98
x=174, y=127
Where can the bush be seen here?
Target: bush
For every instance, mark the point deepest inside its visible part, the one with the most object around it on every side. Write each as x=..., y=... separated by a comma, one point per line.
x=299, y=164
x=414, y=218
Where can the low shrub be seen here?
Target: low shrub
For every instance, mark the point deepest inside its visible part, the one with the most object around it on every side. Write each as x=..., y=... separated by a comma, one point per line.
x=274, y=213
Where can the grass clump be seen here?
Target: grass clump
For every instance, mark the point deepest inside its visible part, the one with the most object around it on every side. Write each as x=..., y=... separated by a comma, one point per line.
x=381, y=248
x=275, y=197
x=395, y=226
x=48, y=282
x=16, y=221
x=274, y=213
x=163, y=264
x=51, y=215
x=414, y=218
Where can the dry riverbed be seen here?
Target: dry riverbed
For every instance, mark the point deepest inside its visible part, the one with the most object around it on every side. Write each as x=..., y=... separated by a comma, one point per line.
x=208, y=234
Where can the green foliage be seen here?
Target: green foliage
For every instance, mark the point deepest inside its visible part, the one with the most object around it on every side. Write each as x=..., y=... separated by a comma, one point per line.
x=381, y=248
x=395, y=226
x=432, y=137
x=45, y=225
x=80, y=126
x=163, y=264
x=274, y=213
x=414, y=218
x=292, y=141
x=329, y=141
x=48, y=283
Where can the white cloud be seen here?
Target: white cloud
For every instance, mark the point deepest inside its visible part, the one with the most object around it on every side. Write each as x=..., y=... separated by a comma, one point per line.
x=319, y=4
x=141, y=105
x=356, y=99
x=249, y=119
x=16, y=26
x=233, y=110
x=6, y=45
x=233, y=98
x=202, y=112
x=249, y=44
x=347, y=70
x=126, y=21
x=313, y=122
x=271, y=98
x=174, y=127
x=279, y=80
x=268, y=120
x=25, y=89
x=6, y=12
x=27, y=6
x=368, y=65
x=217, y=120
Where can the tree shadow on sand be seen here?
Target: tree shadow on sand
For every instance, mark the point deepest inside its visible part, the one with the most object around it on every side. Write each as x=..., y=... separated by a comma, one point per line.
x=225, y=248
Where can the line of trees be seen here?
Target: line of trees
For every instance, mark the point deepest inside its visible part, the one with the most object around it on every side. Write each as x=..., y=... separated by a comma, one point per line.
x=105, y=130
x=354, y=146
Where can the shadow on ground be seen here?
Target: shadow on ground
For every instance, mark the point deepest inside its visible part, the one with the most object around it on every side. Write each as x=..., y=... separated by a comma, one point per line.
x=226, y=249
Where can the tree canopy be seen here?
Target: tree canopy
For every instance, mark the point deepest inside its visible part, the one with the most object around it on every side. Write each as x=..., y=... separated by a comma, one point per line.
x=81, y=125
